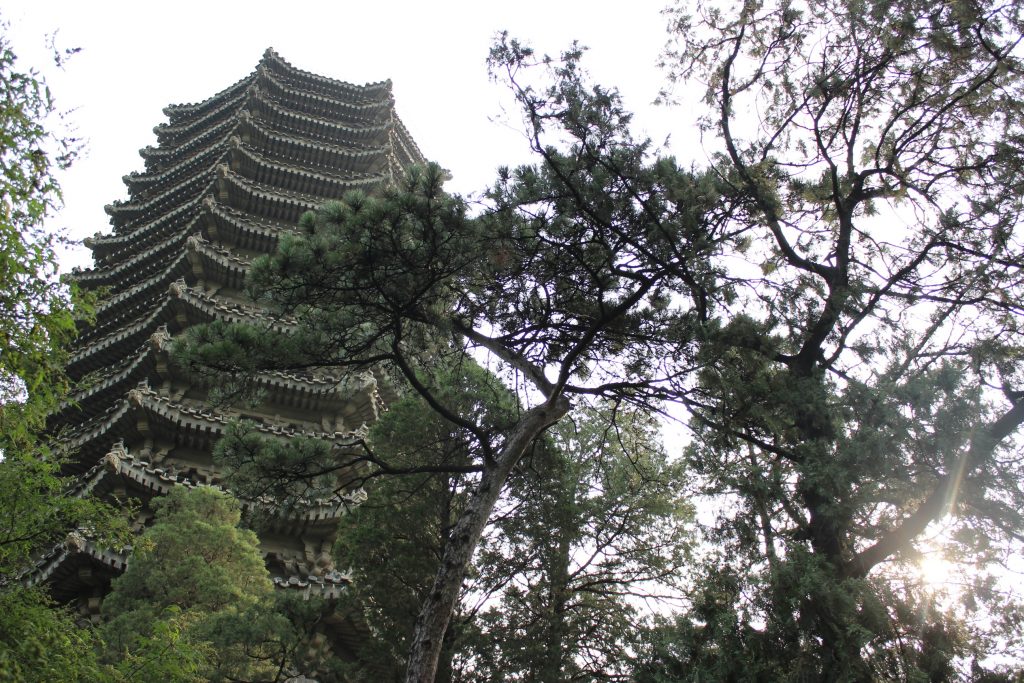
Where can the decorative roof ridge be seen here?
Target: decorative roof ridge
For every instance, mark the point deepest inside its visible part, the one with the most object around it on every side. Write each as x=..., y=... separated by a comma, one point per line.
x=187, y=107
x=198, y=244
x=285, y=112
x=212, y=263
x=108, y=327
x=306, y=201
x=180, y=291
x=118, y=372
x=149, y=204
x=97, y=426
x=319, y=174
x=132, y=329
x=272, y=58
x=99, y=275
x=328, y=586
x=321, y=384
x=317, y=385
x=151, y=152
x=75, y=544
x=138, y=288
x=142, y=397
x=255, y=94
x=407, y=139
x=145, y=397
x=229, y=312
x=212, y=142
x=175, y=133
x=244, y=219
x=120, y=461
x=286, y=93
x=251, y=125
x=99, y=239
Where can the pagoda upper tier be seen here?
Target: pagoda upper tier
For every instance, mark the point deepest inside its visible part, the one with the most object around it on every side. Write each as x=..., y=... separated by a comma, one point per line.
x=229, y=175
x=278, y=141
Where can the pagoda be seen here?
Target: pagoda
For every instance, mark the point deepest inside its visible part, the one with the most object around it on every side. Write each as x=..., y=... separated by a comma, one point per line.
x=226, y=178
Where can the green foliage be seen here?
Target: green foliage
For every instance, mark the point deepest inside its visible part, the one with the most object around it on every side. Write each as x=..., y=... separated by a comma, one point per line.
x=196, y=602
x=393, y=543
x=835, y=299
x=285, y=471
x=572, y=296
x=194, y=557
x=593, y=525
x=37, y=510
x=37, y=318
x=860, y=390
x=37, y=321
x=590, y=522
x=346, y=283
x=40, y=642
x=194, y=562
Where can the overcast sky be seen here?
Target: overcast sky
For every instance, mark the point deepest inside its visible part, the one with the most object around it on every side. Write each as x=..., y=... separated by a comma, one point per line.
x=137, y=57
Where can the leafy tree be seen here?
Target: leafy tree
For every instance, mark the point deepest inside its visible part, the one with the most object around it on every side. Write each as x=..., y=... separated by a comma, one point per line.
x=192, y=564
x=394, y=542
x=590, y=519
x=38, y=642
x=37, y=318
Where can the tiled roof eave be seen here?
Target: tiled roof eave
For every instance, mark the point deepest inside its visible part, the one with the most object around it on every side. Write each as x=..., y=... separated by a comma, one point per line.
x=134, y=212
x=283, y=177
x=300, y=202
x=278, y=117
x=170, y=134
x=170, y=175
x=308, y=153
x=193, y=109
x=362, y=112
x=129, y=272
x=112, y=250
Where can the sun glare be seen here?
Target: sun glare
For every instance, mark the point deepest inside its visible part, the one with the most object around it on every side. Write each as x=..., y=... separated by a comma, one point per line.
x=939, y=574
x=935, y=571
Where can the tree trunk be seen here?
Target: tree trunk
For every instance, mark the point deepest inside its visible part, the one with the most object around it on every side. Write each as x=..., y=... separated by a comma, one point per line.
x=436, y=612
x=555, y=632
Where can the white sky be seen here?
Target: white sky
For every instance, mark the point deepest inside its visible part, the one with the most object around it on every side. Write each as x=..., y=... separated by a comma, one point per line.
x=139, y=56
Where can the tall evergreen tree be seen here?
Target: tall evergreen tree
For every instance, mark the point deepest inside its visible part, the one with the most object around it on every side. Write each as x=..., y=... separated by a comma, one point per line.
x=592, y=535
x=395, y=541
x=861, y=389
x=196, y=602
x=553, y=281
x=591, y=521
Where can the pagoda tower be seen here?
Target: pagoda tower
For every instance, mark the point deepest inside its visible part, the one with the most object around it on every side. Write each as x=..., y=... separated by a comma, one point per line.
x=227, y=176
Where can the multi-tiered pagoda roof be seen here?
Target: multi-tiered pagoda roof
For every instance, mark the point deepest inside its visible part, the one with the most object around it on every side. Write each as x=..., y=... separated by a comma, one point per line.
x=227, y=177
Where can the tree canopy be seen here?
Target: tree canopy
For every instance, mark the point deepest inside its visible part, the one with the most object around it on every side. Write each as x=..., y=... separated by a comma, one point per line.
x=834, y=298
x=196, y=602
x=590, y=523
